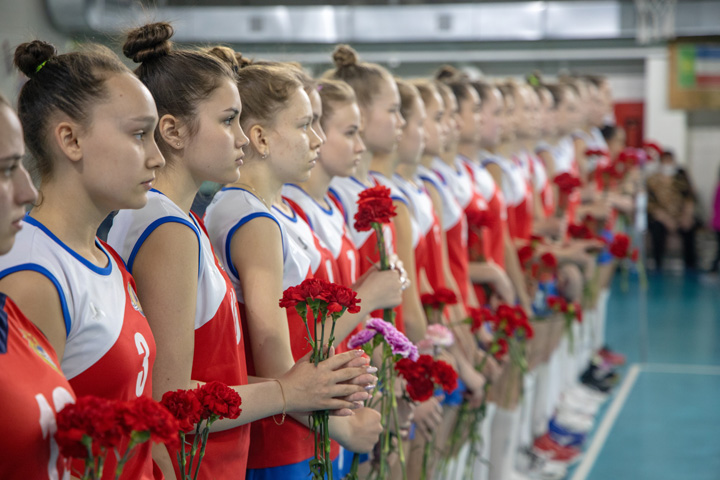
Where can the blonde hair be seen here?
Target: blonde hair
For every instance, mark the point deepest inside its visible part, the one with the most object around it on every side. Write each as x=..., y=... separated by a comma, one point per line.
x=265, y=90
x=408, y=94
x=332, y=94
x=365, y=78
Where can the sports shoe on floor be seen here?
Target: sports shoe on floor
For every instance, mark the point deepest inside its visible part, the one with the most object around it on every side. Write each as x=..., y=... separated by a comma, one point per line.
x=611, y=357
x=536, y=467
x=546, y=447
x=599, y=379
x=574, y=403
x=587, y=395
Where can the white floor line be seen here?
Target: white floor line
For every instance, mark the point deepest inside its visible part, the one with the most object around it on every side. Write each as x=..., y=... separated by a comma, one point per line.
x=681, y=368
x=604, y=430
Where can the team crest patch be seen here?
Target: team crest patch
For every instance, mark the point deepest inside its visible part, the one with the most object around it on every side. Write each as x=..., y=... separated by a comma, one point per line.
x=38, y=349
x=134, y=299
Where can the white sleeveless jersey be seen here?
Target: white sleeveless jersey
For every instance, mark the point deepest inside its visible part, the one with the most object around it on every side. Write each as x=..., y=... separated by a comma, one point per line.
x=514, y=185
x=452, y=212
x=232, y=208
x=93, y=298
x=347, y=190
x=595, y=140
x=328, y=223
x=397, y=194
x=421, y=206
x=564, y=155
x=301, y=236
x=132, y=227
x=540, y=176
x=457, y=179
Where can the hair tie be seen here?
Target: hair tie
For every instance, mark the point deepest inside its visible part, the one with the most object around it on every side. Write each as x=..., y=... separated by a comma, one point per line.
x=37, y=69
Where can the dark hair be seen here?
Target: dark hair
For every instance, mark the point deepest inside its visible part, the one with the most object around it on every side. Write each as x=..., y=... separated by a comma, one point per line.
x=177, y=79
x=483, y=89
x=69, y=83
x=363, y=77
x=608, y=132
x=456, y=80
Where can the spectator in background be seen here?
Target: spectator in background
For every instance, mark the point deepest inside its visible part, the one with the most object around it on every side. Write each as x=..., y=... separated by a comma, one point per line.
x=671, y=209
x=716, y=226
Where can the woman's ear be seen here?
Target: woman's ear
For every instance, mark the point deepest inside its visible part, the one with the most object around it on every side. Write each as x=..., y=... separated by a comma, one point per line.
x=67, y=137
x=259, y=140
x=172, y=131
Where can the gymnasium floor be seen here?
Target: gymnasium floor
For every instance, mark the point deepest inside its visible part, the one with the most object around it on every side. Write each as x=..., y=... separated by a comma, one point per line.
x=663, y=420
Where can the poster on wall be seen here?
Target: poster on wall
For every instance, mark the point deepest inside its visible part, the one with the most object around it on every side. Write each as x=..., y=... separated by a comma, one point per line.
x=694, y=75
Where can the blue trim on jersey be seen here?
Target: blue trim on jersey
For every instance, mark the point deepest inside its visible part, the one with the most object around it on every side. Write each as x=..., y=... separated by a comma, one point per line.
x=107, y=270
x=329, y=202
x=235, y=228
x=4, y=325
x=359, y=182
x=152, y=227
x=425, y=178
x=393, y=197
x=337, y=197
x=293, y=219
x=34, y=267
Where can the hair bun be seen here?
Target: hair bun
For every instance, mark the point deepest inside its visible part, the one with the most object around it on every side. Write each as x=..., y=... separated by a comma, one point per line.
x=242, y=61
x=446, y=73
x=30, y=56
x=344, y=56
x=148, y=42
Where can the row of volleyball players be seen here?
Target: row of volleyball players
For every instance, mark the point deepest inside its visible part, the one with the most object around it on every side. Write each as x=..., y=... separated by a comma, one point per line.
x=85, y=116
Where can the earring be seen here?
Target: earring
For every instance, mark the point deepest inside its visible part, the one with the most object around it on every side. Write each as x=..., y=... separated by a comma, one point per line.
x=264, y=155
x=177, y=144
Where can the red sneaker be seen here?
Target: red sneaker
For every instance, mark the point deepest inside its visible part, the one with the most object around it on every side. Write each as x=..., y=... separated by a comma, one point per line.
x=613, y=358
x=548, y=448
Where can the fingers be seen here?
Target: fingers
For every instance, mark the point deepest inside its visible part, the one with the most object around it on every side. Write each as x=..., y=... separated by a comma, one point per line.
x=339, y=360
x=346, y=374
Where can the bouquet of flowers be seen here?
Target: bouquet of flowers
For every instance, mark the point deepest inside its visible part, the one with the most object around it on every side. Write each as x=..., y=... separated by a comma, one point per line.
x=197, y=410
x=570, y=311
x=93, y=427
x=620, y=248
x=567, y=183
x=434, y=303
x=375, y=208
x=395, y=346
x=320, y=300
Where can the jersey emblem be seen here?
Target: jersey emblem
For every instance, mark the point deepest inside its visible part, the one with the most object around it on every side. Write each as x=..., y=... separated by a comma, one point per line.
x=134, y=300
x=38, y=349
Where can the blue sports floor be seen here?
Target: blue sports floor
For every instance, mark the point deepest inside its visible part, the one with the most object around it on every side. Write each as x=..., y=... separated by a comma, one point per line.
x=663, y=421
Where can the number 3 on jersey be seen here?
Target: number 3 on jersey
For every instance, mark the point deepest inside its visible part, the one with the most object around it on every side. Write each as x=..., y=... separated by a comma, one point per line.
x=143, y=349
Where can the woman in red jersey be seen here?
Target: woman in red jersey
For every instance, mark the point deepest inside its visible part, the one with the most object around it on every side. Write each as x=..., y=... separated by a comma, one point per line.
x=85, y=118
x=33, y=388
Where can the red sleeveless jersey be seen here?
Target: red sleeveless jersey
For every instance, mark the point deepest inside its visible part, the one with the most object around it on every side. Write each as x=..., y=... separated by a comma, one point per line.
x=33, y=390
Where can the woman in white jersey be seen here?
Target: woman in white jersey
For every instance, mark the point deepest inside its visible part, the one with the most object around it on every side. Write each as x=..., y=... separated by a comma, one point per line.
x=88, y=122
x=191, y=305
x=263, y=259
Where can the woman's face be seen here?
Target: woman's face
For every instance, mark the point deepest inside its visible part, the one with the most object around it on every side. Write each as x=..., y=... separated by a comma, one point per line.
x=215, y=151
x=470, y=117
x=16, y=189
x=492, y=119
x=526, y=111
x=316, y=104
x=383, y=122
x=434, y=131
x=450, y=122
x=509, y=123
x=412, y=142
x=340, y=154
x=292, y=142
x=566, y=112
x=119, y=153
x=596, y=106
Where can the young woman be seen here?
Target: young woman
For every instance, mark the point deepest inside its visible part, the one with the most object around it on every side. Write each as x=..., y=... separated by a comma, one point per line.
x=263, y=259
x=191, y=305
x=335, y=105
x=33, y=387
x=87, y=121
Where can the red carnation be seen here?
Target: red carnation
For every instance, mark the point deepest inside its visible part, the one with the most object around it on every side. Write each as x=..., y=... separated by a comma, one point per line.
x=185, y=407
x=634, y=255
x=548, y=260
x=428, y=300
x=566, y=182
x=339, y=297
x=559, y=304
x=145, y=414
x=579, y=231
x=89, y=416
x=620, y=246
x=374, y=206
x=219, y=399
x=478, y=316
x=525, y=255
x=500, y=349
x=445, y=296
x=445, y=376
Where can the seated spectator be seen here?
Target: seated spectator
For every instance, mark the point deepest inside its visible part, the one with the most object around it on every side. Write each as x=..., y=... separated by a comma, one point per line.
x=671, y=209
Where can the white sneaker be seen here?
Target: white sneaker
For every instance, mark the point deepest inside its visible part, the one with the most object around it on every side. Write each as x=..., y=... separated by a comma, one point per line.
x=575, y=422
x=586, y=394
x=575, y=403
